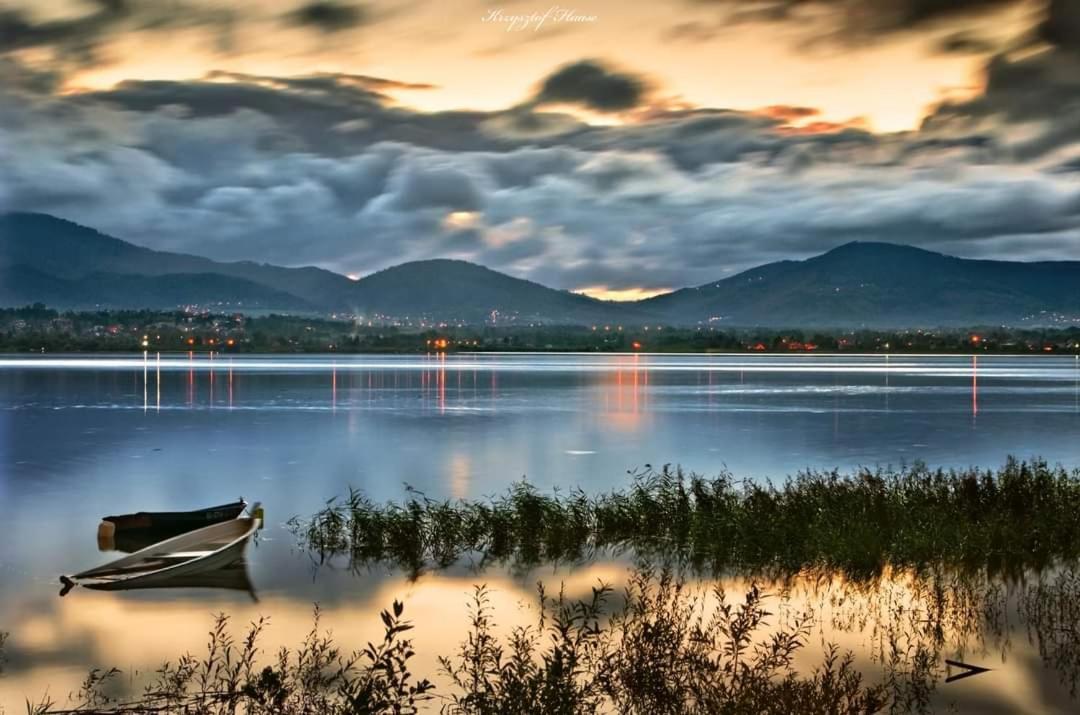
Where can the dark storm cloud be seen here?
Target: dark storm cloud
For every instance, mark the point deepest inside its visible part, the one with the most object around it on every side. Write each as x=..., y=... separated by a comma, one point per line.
x=77, y=35
x=696, y=138
x=20, y=78
x=1033, y=101
x=330, y=114
x=592, y=84
x=856, y=21
x=431, y=181
x=78, y=39
x=329, y=15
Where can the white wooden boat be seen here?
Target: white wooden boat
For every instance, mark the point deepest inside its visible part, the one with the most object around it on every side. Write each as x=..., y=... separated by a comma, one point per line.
x=162, y=564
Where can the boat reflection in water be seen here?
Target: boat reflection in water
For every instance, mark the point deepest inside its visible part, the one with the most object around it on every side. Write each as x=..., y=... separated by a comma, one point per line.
x=209, y=557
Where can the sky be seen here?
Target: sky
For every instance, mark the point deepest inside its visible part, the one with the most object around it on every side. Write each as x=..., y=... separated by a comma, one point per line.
x=616, y=148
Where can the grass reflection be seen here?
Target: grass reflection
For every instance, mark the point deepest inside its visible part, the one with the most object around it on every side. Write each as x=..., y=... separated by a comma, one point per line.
x=662, y=646
x=665, y=643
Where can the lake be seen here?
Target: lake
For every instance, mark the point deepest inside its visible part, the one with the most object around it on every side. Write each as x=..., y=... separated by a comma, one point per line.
x=86, y=436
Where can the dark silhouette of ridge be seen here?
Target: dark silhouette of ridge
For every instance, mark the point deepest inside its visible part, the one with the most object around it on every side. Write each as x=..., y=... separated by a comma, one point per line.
x=861, y=283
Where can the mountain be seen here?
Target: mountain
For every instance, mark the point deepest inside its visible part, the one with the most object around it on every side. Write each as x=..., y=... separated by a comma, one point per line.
x=419, y=287
x=60, y=263
x=65, y=265
x=89, y=261
x=21, y=285
x=879, y=285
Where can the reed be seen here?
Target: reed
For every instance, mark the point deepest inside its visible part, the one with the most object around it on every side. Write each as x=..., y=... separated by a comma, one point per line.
x=1007, y=520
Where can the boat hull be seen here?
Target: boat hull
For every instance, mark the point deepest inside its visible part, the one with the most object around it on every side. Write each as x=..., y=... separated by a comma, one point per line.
x=176, y=574
x=182, y=557
x=176, y=521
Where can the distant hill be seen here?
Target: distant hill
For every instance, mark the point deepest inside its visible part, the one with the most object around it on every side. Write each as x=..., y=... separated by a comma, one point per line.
x=21, y=285
x=473, y=292
x=882, y=285
x=50, y=260
x=65, y=265
x=97, y=268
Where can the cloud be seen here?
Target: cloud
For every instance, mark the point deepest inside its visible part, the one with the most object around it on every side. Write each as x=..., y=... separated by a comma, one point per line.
x=329, y=16
x=434, y=181
x=1031, y=103
x=1062, y=24
x=592, y=84
x=76, y=35
x=692, y=31
x=321, y=81
x=788, y=113
x=329, y=114
x=855, y=21
x=620, y=206
x=77, y=40
x=325, y=168
x=82, y=37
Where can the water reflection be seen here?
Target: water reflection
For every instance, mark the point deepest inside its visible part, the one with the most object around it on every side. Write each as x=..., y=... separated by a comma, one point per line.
x=79, y=438
x=232, y=576
x=901, y=628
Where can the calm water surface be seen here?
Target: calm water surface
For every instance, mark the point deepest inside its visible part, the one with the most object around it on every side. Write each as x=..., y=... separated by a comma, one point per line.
x=84, y=437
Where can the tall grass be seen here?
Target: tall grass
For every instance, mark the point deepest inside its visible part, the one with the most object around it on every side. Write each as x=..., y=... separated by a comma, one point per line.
x=1020, y=516
x=668, y=649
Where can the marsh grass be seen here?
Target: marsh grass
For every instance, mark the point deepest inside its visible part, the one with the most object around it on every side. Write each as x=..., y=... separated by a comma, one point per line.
x=315, y=677
x=1021, y=516
x=662, y=647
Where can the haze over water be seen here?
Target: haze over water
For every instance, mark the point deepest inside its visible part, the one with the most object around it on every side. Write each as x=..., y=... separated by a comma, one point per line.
x=81, y=438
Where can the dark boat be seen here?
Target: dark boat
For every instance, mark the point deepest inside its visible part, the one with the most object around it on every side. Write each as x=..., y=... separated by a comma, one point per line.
x=131, y=532
x=186, y=520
